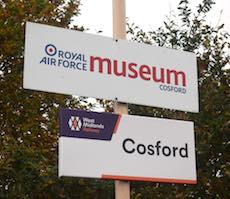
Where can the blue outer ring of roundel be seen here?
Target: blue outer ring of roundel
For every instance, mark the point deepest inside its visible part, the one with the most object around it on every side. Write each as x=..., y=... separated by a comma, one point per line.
x=50, y=49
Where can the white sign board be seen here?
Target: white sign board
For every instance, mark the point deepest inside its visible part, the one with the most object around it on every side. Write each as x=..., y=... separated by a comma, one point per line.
x=111, y=146
x=71, y=62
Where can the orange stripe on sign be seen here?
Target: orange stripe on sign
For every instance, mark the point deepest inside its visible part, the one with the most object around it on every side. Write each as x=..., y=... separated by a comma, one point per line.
x=117, y=124
x=132, y=178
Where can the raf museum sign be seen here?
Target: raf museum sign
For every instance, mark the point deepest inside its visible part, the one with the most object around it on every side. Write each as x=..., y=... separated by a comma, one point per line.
x=71, y=62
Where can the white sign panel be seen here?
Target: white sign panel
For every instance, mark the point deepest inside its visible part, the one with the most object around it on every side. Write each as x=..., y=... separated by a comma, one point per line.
x=71, y=62
x=111, y=146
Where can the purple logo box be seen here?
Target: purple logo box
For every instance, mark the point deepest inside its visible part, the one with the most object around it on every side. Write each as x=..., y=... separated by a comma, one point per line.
x=89, y=125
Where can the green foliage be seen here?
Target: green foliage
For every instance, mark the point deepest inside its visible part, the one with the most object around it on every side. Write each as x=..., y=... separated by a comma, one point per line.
x=212, y=124
x=28, y=119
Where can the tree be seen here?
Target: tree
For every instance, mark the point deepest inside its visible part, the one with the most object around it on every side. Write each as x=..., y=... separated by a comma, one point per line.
x=29, y=119
x=212, y=125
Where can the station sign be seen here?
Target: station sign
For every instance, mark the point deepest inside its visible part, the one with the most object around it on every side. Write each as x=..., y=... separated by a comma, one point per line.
x=111, y=146
x=71, y=62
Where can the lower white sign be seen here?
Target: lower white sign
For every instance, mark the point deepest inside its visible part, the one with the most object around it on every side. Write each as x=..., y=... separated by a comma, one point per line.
x=111, y=146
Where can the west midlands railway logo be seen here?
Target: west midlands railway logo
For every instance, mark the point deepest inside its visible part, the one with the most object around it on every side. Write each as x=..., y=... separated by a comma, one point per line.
x=75, y=123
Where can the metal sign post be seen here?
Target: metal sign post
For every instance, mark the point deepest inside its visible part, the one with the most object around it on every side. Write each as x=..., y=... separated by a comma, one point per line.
x=122, y=188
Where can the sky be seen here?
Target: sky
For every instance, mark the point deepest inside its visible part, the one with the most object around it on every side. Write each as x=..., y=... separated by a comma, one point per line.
x=96, y=15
